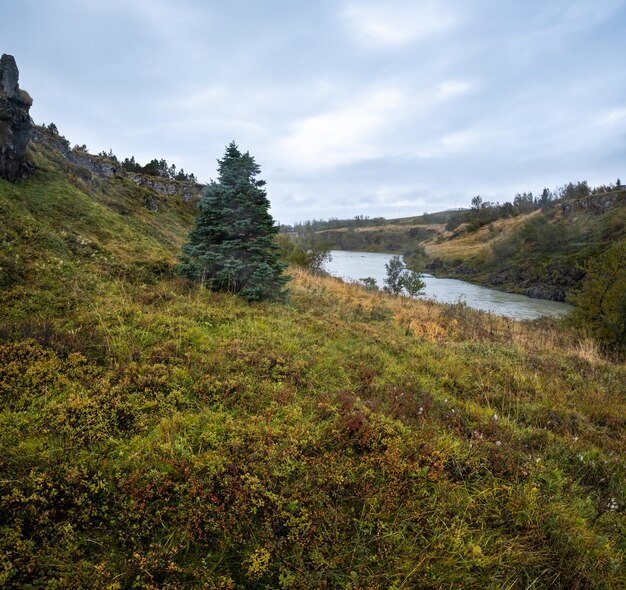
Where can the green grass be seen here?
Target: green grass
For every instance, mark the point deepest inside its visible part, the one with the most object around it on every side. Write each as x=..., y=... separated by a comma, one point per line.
x=157, y=435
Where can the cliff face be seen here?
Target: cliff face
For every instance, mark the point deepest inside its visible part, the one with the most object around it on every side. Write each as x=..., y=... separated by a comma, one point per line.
x=15, y=123
x=103, y=167
x=594, y=204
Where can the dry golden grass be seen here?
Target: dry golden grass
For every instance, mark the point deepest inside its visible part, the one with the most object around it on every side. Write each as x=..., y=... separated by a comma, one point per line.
x=477, y=243
x=438, y=322
x=439, y=227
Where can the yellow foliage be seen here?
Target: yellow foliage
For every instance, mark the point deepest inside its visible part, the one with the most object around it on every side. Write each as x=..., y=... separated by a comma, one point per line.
x=258, y=563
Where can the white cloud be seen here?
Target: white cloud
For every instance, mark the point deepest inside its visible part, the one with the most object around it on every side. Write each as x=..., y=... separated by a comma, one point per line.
x=613, y=117
x=460, y=140
x=457, y=142
x=396, y=23
x=372, y=126
x=452, y=89
x=203, y=97
x=343, y=135
x=398, y=196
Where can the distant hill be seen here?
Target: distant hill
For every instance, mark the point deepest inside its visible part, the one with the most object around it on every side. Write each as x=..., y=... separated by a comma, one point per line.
x=391, y=237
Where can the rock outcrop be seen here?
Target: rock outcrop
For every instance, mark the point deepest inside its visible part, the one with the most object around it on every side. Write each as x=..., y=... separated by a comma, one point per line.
x=85, y=165
x=594, y=204
x=184, y=189
x=15, y=122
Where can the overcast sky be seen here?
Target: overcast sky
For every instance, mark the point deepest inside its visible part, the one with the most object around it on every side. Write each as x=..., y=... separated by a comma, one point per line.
x=388, y=108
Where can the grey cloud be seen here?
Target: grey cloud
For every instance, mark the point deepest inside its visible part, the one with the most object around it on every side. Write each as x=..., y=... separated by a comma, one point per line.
x=346, y=111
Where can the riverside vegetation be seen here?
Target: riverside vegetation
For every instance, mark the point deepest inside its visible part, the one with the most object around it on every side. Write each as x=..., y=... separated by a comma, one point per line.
x=537, y=246
x=566, y=245
x=156, y=434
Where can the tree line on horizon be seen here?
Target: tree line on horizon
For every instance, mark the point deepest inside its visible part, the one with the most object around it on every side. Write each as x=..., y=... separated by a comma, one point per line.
x=155, y=167
x=484, y=212
x=479, y=213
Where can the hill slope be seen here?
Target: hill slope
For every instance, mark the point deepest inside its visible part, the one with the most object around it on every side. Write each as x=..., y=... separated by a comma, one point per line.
x=69, y=226
x=542, y=253
x=157, y=435
x=390, y=237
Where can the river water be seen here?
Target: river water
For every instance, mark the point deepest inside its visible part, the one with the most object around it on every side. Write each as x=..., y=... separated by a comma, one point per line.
x=353, y=266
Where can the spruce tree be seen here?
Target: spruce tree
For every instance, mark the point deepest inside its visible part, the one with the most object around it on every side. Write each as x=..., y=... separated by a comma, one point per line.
x=232, y=247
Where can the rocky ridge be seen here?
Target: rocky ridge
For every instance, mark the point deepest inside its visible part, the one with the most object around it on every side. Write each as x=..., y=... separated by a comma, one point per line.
x=104, y=167
x=594, y=204
x=17, y=130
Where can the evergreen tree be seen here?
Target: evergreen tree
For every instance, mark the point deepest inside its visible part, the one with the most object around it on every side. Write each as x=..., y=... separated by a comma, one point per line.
x=546, y=197
x=232, y=247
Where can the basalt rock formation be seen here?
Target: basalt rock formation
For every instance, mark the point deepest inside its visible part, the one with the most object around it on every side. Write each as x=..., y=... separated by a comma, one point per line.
x=15, y=122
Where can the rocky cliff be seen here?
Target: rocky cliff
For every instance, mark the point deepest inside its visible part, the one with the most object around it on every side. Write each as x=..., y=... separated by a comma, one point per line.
x=15, y=123
x=89, y=165
x=594, y=204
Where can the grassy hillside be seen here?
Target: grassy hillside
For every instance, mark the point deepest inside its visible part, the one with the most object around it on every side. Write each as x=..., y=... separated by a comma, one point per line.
x=157, y=435
x=542, y=253
x=391, y=237
x=66, y=229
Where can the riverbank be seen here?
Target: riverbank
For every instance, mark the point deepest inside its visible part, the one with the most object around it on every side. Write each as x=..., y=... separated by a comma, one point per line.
x=523, y=281
x=355, y=266
x=541, y=252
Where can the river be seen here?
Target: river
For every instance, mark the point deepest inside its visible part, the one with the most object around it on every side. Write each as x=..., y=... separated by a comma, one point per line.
x=354, y=266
